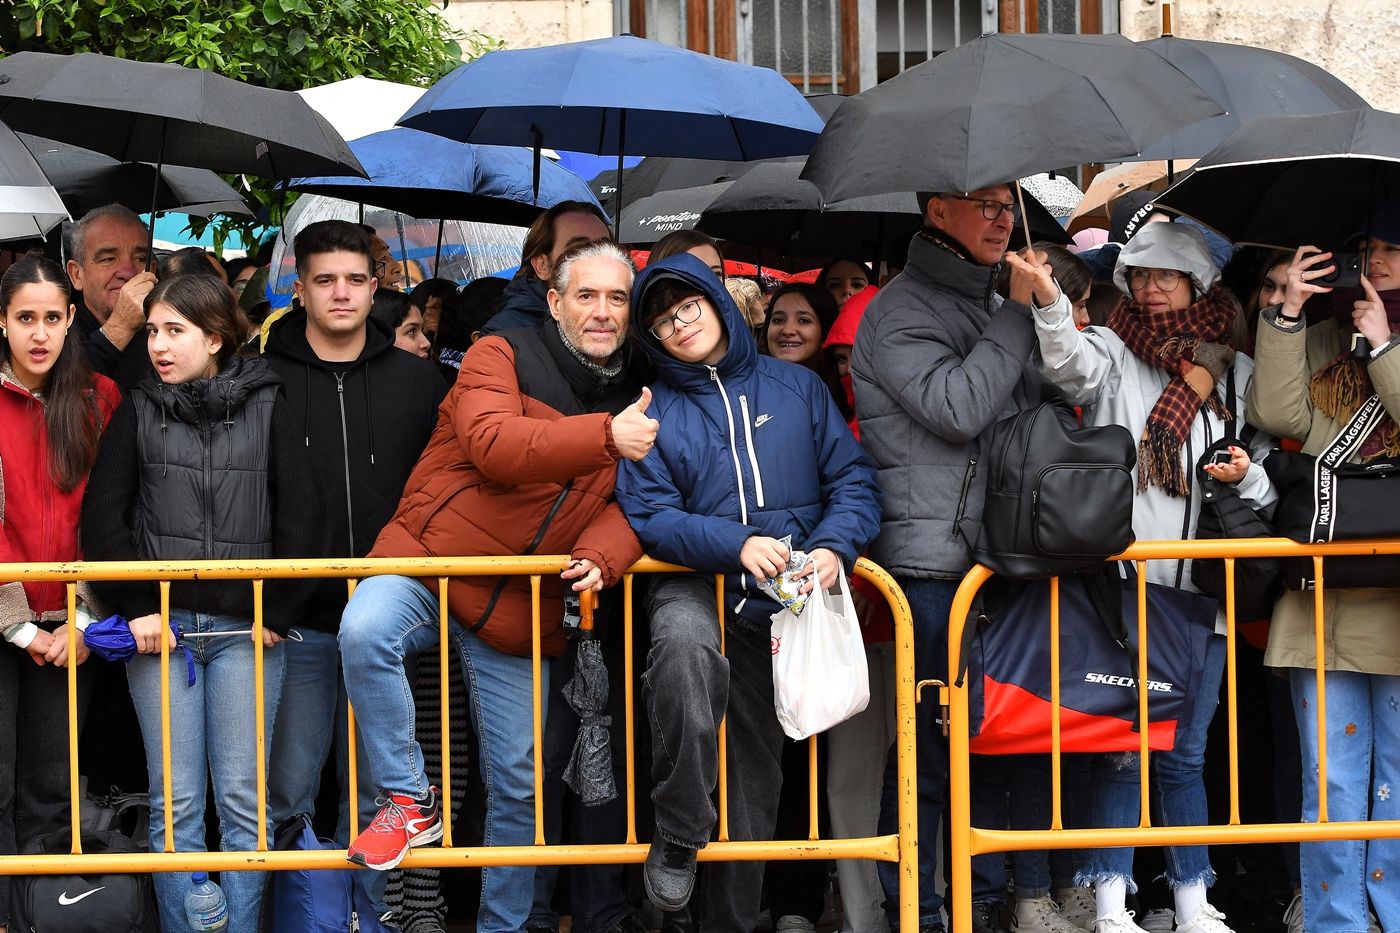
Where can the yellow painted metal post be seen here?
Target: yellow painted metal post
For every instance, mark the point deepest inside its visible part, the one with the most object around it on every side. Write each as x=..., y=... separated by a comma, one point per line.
x=165, y=778
x=1056, y=814
x=259, y=713
x=1320, y=672
x=1144, y=723
x=1231, y=687
x=628, y=702
x=444, y=721
x=536, y=711
x=959, y=784
x=812, y=828
x=352, y=768
x=722, y=739
x=74, y=803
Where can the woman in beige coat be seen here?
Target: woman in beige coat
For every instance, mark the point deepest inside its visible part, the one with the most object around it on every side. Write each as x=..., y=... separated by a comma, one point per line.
x=1307, y=386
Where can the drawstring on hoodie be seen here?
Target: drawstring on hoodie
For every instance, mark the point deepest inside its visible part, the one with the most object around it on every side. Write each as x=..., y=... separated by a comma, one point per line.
x=368, y=420
x=306, y=416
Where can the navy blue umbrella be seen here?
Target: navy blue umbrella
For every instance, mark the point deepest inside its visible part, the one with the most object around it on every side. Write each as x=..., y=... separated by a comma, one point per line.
x=620, y=95
x=424, y=175
x=111, y=640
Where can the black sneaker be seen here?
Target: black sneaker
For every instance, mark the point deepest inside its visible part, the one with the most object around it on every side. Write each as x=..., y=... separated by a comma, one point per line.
x=991, y=917
x=669, y=875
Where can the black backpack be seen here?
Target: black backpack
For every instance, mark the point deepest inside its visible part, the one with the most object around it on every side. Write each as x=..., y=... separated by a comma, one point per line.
x=1059, y=496
x=94, y=902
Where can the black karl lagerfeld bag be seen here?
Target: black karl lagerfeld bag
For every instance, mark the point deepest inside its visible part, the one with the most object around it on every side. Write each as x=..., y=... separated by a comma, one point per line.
x=1225, y=514
x=1324, y=498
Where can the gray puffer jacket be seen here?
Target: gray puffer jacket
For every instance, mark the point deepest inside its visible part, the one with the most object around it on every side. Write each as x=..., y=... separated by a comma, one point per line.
x=938, y=359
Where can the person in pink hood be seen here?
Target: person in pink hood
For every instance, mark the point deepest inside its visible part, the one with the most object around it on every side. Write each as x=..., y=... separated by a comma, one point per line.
x=841, y=338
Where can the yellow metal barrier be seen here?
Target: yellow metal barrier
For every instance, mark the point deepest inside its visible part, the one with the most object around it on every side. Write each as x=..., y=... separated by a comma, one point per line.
x=969, y=841
x=900, y=847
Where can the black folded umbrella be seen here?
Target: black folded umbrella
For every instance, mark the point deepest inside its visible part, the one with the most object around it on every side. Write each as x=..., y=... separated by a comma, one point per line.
x=590, y=769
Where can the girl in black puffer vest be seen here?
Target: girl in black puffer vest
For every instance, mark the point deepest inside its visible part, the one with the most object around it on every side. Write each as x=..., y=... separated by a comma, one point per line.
x=203, y=463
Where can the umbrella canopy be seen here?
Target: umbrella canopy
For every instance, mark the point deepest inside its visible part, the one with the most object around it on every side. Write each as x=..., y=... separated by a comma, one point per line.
x=620, y=95
x=87, y=179
x=29, y=205
x=1250, y=83
x=1290, y=181
x=1001, y=107
x=468, y=250
x=360, y=106
x=1119, y=180
x=772, y=208
x=649, y=219
x=168, y=114
x=424, y=175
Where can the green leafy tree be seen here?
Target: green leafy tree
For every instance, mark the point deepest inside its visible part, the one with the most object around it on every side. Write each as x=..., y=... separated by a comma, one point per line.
x=285, y=44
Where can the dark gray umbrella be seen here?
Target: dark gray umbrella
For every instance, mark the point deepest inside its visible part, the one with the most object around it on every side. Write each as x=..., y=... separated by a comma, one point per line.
x=649, y=219
x=1290, y=181
x=168, y=114
x=1250, y=83
x=87, y=179
x=770, y=207
x=590, y=769
x=1002, y=107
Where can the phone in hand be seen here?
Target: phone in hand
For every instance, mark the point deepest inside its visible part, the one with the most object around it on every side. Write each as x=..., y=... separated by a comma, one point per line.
x=1221, y=458
x=1345, y=273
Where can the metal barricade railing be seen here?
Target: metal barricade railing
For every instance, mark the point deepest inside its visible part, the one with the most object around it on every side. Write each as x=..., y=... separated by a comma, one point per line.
x=968, y=841
x=900, y=847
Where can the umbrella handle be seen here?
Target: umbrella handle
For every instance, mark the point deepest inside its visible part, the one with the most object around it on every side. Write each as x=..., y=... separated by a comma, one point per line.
x=1025, y=221
x=585, y=609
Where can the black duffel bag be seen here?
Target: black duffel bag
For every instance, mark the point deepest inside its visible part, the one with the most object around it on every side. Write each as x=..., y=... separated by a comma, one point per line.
x=1324, y=499
x=83, y=902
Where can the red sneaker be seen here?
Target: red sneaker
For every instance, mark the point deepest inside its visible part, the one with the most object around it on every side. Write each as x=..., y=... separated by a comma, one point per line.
x=401, y=824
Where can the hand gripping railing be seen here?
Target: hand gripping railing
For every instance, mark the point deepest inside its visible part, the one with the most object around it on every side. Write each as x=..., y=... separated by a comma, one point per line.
x=969, y=841
x=900, y=847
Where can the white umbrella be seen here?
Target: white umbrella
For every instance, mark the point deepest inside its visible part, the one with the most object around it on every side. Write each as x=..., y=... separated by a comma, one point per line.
x=29, y=205
x=360, y=106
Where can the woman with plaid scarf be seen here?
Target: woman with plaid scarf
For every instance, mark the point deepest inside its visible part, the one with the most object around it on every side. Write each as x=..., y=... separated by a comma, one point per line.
x=1165, y=367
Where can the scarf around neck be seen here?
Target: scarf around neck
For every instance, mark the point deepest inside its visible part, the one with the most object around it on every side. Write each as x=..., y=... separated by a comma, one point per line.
x=608, y=370
x=1172, y=341
x=1342, y=384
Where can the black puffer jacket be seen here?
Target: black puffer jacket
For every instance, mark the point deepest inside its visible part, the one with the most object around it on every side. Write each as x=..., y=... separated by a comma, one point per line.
x=364, y=424
x=204, y=470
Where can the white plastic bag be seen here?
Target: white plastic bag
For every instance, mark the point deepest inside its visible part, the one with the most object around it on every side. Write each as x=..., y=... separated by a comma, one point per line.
x=819, y=672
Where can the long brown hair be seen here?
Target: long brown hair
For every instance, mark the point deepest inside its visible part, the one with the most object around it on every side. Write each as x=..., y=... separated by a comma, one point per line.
x=208, y=304
x=71, y=414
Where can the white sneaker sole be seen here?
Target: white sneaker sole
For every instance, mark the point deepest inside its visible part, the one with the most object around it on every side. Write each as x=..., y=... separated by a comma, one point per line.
x=430, y=835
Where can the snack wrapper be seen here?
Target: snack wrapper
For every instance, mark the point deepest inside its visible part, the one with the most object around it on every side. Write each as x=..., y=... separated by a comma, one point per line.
x=783, y=587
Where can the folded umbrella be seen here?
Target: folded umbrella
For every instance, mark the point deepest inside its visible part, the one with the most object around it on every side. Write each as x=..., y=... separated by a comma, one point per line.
x=111, y=640
x=590, y=769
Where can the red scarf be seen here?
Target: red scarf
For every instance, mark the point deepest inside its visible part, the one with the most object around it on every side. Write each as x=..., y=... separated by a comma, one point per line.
x=1169, y=340
x=1342, y=384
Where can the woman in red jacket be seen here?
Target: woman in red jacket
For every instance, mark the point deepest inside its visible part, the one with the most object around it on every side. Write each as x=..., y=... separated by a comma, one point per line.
x=52, y=411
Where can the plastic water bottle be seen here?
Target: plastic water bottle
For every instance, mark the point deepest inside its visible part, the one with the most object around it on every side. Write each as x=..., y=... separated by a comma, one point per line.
x=205, y=907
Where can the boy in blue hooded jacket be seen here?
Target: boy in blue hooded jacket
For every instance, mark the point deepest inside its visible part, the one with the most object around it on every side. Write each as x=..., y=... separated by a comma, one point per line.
x=750, y=450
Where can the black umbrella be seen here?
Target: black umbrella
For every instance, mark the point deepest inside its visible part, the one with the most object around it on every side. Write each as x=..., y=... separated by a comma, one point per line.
x=1250, y=83
x=649, y=219
x=1290, y=181
x=87, y=179
x=770, y=207
x=168, y=114
x=1001, y=107
x=590, y=769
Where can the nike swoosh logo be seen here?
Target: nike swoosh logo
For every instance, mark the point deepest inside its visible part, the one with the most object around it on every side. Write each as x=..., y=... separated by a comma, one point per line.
x=761, y=420
x=64, y=900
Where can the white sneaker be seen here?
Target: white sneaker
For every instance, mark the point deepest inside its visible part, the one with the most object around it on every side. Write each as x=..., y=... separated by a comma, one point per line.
x=1207, y=920
x=1293, y=916
x=1078, y=907
x=1121, y=922
x=794, y=923
x=1160, y=920
x=1039, y=915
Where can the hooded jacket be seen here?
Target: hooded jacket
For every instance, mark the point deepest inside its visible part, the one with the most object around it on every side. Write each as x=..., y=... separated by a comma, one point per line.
x=522, y=451
x=524, y=303
x=204, y=470
x=938, y=359
x=38, y=521
x=750, y=446
x=364, y=424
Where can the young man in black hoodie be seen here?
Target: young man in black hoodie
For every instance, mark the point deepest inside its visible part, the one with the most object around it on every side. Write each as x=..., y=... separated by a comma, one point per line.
x=367, y=409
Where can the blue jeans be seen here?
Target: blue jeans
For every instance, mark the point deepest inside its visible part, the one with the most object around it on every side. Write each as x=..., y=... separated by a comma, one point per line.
x=211, y=734
x=1180, y=790
x=391, y=619
x=306, y=723
x=1010, y=791
x=929, y=601
x=1363, y=775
